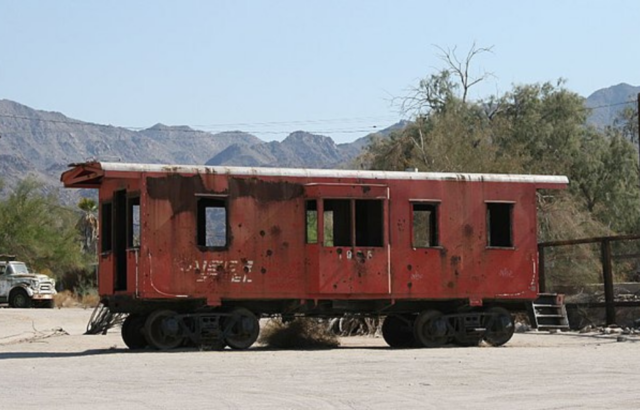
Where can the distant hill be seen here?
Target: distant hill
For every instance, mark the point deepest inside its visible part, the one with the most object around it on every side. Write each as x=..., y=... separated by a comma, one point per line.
x=43, y=143
x=607, y=102
x=300, y=149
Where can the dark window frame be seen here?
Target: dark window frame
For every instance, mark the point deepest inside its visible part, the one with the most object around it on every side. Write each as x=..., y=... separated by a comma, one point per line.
x=311, y=208
x=106, y=226
x=368, y=212
x=341, y=223
x=433, y=235
x=351, y=222
x=202, y=204
x=133, y=201
x=500, y=226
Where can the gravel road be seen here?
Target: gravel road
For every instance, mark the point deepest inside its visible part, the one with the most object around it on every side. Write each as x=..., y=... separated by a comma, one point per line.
x=46, y=363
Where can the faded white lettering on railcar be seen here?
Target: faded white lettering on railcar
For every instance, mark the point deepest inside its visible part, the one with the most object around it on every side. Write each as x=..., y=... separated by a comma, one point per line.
x=208, y=269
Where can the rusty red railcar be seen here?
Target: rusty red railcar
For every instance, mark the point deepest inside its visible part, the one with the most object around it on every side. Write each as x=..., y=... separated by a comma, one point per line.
x=200, y=253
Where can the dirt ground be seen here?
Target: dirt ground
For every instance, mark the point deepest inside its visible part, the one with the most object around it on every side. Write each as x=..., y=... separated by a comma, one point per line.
x=47, y=363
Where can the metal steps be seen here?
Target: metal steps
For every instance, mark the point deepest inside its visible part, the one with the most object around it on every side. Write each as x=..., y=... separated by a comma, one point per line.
x=548, y=312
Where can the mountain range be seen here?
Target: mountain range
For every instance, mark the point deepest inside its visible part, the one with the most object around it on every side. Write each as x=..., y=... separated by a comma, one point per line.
x=606, y=103
x=43, y=143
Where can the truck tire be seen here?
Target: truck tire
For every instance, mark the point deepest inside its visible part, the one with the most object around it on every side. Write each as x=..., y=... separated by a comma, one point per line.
x=19, y=298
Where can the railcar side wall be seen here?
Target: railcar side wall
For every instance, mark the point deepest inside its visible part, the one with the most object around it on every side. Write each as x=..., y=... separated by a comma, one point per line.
x=265, y=251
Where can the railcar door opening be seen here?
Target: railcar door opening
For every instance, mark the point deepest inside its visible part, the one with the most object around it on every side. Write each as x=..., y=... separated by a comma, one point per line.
x=347, y=239
x=120, y=239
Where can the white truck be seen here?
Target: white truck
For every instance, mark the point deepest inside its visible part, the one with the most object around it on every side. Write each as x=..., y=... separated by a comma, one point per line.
x=23, y=289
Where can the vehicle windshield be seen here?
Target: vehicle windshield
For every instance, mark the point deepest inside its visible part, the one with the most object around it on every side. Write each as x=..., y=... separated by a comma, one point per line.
x=19, y=267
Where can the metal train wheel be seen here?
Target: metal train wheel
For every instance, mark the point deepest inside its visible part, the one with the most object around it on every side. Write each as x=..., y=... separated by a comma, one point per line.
x=397, y=331
x=132, y=332
x=499, y=326
x=241, y=329
x=431, y=329
x=162, y=330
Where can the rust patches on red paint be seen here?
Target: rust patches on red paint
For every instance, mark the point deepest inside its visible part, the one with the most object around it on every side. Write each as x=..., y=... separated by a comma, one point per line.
x=468, y=230
x=275, y=230
x=178, y=189
x=264, y=191
x=360, y=266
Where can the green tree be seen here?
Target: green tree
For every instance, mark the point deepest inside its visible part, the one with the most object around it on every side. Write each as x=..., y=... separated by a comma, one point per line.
x=541, y=125
x=532, y=129
x=37, y=229
x=626, y=123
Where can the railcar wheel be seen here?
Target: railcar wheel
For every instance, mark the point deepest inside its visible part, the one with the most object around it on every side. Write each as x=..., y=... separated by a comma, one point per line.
x=132, y=332
x=241, y=329
x=162, y=330
x=397, y=331
x=499, y=326
x=20, y=299
x=431, y=329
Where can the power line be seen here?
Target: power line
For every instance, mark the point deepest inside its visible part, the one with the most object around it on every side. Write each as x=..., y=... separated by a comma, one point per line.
x=612, y=105
x=220, y=125
x=208, y=128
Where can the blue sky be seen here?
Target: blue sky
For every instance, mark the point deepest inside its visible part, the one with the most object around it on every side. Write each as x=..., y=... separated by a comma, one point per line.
x=273, y=67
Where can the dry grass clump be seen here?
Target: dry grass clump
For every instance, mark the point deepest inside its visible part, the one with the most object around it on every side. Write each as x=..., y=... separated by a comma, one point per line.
x=90, y=300
x=66, y=298
x=301, y=333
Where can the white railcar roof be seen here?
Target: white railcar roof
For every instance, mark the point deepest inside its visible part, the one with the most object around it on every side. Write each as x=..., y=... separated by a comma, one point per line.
x=331, y=173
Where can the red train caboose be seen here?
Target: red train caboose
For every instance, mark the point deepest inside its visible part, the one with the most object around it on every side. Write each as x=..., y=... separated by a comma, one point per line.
x=199, y=253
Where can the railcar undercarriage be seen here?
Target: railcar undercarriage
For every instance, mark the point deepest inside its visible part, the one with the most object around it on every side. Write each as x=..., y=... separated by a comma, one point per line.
x=169, y=325
x=431, y=328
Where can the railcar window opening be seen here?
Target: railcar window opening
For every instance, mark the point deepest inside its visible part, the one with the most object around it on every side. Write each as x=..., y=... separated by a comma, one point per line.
x=339, y=229
x=425, y=225
x=337, y=222
x=212, y=222
x=369, y=222
x=106, y=214
x=311, y=221
x=133, y=222
x=499, y=225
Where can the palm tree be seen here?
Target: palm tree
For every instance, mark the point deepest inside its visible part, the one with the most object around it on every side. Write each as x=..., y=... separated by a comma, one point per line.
x=88, y=225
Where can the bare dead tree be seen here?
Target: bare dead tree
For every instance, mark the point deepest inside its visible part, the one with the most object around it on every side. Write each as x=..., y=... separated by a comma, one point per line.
x=460, y=68
x=434, y=92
